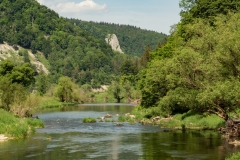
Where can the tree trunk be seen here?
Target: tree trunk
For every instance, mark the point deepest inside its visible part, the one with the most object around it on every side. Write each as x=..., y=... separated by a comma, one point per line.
x=118, y=99
x=232, y=128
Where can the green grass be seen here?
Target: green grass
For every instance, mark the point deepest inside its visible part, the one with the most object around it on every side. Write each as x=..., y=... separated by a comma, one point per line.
x=52, y=102
x=17, y=127
x=234, y=156
x=187, y=120
x=194, y=120
x=123, y=119
x=126, y=119
x=89, y=120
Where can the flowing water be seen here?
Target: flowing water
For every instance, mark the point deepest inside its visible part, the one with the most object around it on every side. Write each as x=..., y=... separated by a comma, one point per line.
x=65, y=136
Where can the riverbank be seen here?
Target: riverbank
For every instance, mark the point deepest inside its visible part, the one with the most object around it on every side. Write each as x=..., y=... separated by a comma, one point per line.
x=13, y=127
x=53, y=102
x=188, y=120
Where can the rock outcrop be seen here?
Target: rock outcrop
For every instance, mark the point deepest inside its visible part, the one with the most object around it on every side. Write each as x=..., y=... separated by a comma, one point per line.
x=112, y=40
x=7, y=51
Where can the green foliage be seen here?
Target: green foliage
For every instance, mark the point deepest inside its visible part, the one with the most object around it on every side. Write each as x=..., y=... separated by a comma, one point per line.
x=15, y=127
x=204, y=9
x=128, y=68
x=24, y=53
x=201, y=74
x=233, y=156
x=117, y=91
x=42, y=83
x=193, y=120
x=145, y=58
x=69, y=49
x=65, y=89
x=152, y=83
x=131, y=39
x=192, y=9
x=89, y=120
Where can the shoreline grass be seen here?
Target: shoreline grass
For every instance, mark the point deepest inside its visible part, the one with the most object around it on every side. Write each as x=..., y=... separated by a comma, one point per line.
x=188, y=120
x=193, y=120
x=13, y=127
x=51, y=102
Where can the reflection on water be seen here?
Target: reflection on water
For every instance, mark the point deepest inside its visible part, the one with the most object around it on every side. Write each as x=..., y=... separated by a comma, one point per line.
x=72, y=139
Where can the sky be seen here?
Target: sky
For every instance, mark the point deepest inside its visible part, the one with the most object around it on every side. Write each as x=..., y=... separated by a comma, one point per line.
x=155, y=15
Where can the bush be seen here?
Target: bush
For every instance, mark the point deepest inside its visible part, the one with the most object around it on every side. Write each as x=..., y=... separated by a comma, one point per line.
x=35, y=123
x=89, y=120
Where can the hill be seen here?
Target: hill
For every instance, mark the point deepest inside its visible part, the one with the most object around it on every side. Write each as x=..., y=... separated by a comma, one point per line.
x=20, y=55
x=69, y=50
x=133, y=40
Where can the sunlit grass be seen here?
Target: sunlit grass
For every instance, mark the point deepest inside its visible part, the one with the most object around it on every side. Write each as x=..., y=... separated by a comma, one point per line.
x=17, y=127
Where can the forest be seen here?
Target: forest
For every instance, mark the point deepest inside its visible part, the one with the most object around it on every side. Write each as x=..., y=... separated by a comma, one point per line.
x=132, y=39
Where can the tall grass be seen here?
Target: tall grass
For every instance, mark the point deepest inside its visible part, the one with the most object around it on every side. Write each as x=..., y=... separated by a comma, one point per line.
x=16, y=127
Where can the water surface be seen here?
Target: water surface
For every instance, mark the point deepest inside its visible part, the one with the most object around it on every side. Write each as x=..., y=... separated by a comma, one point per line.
x=65, y=136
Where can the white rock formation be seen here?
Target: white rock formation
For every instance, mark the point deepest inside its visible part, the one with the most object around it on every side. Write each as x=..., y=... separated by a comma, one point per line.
x=112, y=40
x=7, y=51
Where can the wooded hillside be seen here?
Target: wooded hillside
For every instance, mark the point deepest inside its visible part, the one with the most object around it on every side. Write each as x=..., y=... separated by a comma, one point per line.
x=70, y=50
x=132, y=39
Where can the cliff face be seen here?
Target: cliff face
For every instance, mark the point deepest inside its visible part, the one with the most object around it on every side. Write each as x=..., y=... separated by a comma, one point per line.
x=112, y=40
x=7, y=51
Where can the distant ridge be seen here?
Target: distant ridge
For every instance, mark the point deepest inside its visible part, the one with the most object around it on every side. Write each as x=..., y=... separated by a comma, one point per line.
x=133, y=40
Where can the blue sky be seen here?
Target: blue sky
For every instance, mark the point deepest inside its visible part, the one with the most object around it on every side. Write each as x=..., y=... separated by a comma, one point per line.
x=156, y=15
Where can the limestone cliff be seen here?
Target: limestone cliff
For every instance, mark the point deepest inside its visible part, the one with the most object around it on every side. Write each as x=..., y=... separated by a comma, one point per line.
x=7, y=51
x=112, y=40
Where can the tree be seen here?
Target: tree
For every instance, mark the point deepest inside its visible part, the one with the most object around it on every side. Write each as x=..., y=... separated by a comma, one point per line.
x=146, y=56
x=202, y=74
x=14, y=81
x=117, y=91
x=22, y=74
x=65, y=89
x=192, y=9
x=128, y=68
x=42, y=84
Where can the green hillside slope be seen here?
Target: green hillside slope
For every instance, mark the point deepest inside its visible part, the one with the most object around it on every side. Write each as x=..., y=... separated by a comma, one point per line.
x=133, y=40
x=70, y=51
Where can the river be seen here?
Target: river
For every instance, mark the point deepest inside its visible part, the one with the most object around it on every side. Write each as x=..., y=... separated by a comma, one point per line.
x=65, y=136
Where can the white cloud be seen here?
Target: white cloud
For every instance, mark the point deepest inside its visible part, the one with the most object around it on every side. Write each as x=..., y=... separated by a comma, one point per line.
x=72, y=7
